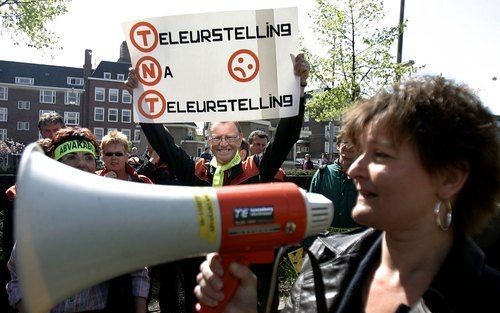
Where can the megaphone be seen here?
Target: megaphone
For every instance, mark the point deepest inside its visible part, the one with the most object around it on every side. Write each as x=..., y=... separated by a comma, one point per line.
x=75, y=229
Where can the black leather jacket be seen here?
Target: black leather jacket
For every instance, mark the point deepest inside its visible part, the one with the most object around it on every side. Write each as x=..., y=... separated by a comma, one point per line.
x=463, y=284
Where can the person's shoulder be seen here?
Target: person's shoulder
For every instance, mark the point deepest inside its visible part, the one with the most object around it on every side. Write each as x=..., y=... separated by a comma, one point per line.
x=353, y=241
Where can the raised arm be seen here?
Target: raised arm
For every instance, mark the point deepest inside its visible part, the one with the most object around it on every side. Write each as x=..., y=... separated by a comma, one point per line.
x=164, y=144
x=288, y=130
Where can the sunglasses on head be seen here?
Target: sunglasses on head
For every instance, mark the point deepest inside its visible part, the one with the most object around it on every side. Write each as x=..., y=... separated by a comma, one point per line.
x=118, y=154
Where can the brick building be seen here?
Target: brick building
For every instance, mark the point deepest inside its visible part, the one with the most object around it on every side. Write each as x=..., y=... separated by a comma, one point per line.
x=29, y=90
x=87, y=97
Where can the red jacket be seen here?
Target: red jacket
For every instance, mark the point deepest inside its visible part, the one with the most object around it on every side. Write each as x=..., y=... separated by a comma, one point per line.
x=130, y=170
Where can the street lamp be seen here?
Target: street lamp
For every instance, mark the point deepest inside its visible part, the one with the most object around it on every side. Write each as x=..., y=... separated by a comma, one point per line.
x=400, y=37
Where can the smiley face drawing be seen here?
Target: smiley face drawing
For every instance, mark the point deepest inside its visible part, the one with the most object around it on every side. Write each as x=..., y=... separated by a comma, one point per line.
x=243, y=65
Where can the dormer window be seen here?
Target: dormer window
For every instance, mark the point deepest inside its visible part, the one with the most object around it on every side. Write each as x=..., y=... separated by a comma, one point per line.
x=76, y=81
x=25, y=80
x=107, y=75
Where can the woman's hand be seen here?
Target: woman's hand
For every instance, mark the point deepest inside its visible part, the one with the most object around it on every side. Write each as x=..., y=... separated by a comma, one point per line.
x=209, y=289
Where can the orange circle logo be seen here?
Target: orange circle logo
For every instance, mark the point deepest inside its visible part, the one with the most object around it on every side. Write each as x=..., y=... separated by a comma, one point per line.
x=148, y=71
x=243, y=65
x=152, y=97
x=140, y=36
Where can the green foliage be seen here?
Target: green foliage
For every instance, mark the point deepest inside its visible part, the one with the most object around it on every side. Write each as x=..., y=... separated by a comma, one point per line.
x=286, y=277
x=26, y=20
x=300, y=172
x=358, y=60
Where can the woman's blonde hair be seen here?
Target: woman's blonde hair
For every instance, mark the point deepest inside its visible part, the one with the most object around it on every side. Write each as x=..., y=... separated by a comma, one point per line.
x=115, y=137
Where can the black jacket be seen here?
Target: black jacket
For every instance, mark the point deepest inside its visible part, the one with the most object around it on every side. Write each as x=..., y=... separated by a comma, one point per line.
x=463, y=284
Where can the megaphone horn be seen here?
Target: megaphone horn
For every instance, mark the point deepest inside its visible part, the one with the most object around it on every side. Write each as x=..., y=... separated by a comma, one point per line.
x=75, y=229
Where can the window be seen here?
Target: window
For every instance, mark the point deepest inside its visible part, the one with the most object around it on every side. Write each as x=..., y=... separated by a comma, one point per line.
x=126, y=132
x=107, y=75
x=4, y=112
x=120, y=76
x=4, y=93
x=77, y=81
x=72, y=97
x=99, y=132
x=25, y=80
x=99, y=114
x=3, y=134
x=99, y=94
x=126, y=116
x=113, y=115
x=126, y=97
x=47, y=96
x=71, y=118
x=137, y=135
x=41, y=112
x=23, y=105
x=23, y=126
x=327, y=147
x=113, y=95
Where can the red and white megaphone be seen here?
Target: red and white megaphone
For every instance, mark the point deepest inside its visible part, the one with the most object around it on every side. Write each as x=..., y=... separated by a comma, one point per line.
x=74, y=229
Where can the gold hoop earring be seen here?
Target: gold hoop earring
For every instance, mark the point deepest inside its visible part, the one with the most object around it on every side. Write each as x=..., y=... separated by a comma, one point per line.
x=437, y=213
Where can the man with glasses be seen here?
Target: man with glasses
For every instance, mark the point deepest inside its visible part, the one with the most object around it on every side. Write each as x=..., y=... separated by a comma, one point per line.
x=226, y=166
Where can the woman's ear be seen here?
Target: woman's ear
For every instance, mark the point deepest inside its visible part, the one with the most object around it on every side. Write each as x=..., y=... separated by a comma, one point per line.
x=452, y=179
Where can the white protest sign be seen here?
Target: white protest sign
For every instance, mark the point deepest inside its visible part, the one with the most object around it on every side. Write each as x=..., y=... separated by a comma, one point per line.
x=230, y=66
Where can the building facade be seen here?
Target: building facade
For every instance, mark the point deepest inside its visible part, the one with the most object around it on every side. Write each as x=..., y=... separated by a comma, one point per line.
x=29, y=90
x=87, y=97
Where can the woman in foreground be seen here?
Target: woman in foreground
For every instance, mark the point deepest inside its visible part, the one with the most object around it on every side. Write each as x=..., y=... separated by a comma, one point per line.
x=428, y=177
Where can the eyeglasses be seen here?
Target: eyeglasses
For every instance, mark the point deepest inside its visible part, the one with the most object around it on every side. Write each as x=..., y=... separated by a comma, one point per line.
x=228, y=139
x=118, y=154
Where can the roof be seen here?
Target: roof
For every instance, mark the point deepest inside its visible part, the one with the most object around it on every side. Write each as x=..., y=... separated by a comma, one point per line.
x=44, y=75
x=111, y=67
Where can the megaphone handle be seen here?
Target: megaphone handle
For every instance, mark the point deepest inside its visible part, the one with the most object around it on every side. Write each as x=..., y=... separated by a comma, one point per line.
x=230, y=283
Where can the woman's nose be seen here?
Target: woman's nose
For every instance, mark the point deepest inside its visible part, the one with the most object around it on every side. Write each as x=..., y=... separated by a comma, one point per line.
x=357, y=167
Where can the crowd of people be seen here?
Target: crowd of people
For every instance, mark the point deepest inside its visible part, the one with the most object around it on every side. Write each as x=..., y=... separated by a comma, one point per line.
x=417, y=175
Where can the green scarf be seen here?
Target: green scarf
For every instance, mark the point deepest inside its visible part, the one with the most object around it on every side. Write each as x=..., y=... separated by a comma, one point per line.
x=218, y=179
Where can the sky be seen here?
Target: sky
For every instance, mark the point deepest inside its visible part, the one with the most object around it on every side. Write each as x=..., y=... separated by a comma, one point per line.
x=456, y=38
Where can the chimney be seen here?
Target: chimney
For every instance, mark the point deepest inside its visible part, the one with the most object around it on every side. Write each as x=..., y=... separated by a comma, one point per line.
x=87, y=66
x=124, y=53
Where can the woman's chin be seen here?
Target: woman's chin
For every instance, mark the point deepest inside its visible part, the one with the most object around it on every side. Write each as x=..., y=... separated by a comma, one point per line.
x=361, y=214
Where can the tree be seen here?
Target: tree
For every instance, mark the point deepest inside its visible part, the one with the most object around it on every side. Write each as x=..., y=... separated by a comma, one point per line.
x=358, y=60
x=26, y=20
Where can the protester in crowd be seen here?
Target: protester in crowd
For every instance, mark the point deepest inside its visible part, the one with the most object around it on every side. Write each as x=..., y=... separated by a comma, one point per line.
x=49, y=123
x=226, y=167
x=82, y=156
x=134, y=160
x=206, y=155
x=427, y=177
x=334, y=183
x=244, y=149
x=325, y=160
x=307, y=164
x=114, y=155
x=258, y=140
